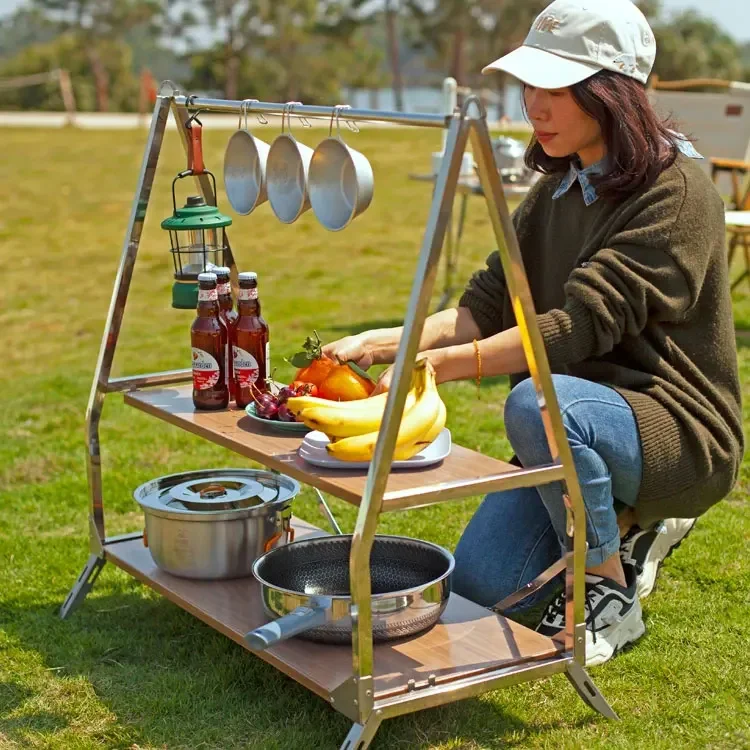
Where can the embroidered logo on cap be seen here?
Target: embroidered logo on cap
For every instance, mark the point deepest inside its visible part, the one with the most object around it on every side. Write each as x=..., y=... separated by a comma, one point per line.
x=626, y=63
x=546, y=23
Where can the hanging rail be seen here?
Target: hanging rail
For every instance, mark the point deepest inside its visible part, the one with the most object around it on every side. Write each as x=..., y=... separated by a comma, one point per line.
x=253, y=106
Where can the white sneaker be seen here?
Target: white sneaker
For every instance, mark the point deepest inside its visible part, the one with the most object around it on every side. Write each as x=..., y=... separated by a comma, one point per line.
x=648, y=549
x=613, y=616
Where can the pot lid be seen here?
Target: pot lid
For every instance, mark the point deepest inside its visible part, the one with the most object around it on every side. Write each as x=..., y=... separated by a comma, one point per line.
x=220, y=493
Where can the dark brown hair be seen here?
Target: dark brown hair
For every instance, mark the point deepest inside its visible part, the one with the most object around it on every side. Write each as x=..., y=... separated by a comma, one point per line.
x=639, y=144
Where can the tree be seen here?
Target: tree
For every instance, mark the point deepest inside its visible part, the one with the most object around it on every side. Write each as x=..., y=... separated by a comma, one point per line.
x=294, y=50
x=97, y=25
x=65, y=51
x=692, y=46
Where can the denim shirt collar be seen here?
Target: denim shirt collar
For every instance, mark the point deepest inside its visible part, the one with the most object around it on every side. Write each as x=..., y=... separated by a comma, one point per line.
x=583, y=175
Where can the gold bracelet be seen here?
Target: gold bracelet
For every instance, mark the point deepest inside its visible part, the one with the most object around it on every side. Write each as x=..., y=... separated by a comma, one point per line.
x=479, y=367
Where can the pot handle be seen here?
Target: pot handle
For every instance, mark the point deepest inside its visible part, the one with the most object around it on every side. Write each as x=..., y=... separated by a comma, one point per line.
x=286, y=528
x=297, y=621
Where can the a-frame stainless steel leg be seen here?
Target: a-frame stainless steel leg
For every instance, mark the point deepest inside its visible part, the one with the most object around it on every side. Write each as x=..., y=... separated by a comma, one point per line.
x=361, y=735
x=83, y=585
x=583, y=684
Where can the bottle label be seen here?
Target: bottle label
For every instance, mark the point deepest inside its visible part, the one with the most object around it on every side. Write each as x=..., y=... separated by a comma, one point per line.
x=248, y=293
x=207, y=295
x=205, y=370
x=246, y=368
x=224, y=289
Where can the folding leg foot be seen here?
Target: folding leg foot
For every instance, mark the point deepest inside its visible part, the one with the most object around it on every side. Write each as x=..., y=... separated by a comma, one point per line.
x=83, y=585
x=581, y=681
x=361, y=735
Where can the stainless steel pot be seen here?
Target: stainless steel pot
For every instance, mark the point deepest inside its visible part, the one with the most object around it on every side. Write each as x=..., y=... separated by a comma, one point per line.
x=245, y=167
x=306, y=585
x=340, y=180
x=215, y=523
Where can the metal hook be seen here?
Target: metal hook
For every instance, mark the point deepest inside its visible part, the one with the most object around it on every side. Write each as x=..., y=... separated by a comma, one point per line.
x=192, y=117
x=289, y=106
x=337, y=114
x=243, y=110
x=259, y=115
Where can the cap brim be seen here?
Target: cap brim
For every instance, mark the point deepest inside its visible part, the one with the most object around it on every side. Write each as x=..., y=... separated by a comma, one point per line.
x=542, y=69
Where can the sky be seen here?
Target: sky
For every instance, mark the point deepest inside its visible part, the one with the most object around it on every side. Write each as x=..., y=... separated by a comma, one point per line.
x=732, y=15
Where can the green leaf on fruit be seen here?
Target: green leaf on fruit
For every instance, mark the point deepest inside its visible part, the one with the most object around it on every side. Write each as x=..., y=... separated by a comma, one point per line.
x=300, y=360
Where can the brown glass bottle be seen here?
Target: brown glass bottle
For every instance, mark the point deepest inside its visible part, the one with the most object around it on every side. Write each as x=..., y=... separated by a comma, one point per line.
x=251, y=351
x=228, y=317
x=210, y=389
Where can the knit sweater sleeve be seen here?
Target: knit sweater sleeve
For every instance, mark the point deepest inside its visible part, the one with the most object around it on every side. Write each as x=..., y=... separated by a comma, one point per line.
x=486, y=291
x=650, y=270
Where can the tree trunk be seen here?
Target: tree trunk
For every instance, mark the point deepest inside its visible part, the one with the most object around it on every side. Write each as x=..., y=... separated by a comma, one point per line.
x=231, y=84
x=393, y=50
x=101, y=78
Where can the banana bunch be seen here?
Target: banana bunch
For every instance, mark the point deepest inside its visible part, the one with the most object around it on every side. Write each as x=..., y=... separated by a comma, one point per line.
x=352, y=426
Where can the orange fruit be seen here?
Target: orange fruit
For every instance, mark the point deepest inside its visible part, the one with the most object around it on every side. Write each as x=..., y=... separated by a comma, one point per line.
x=317, y=371
x=343, y=384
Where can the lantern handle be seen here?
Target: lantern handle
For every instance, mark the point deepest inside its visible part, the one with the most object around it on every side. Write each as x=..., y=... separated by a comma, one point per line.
x=189, y=173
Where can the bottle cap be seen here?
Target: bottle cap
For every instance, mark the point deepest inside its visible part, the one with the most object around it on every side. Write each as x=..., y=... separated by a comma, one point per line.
x=222, y=272
x=207, y=277
x=248, y=276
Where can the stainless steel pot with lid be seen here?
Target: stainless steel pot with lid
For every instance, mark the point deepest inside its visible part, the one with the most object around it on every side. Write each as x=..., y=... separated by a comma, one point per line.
x=214, y=523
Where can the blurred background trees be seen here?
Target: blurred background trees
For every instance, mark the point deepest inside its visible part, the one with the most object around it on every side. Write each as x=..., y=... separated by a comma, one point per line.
x=308, y=50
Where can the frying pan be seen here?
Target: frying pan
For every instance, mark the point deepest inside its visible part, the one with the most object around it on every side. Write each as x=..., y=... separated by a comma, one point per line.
x=306, y=585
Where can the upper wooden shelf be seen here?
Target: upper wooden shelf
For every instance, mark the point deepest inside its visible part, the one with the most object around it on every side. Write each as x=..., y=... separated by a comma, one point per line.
x=234, y=430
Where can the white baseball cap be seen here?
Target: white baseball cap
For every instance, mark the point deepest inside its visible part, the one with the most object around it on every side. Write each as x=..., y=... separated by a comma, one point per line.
x=571, y=40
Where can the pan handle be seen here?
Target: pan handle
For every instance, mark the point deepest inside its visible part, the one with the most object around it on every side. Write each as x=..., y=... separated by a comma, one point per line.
x=297, y=621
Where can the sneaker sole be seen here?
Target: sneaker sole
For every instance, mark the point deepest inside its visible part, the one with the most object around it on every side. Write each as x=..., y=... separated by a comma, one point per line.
x=661, y=550
x=628, y=631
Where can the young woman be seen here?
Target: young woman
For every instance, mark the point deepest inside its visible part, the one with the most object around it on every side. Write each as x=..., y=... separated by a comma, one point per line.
x=623, y=244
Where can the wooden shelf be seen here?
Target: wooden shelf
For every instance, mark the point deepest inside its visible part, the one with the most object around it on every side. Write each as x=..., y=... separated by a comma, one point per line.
x=468, y=640
x=233, y=429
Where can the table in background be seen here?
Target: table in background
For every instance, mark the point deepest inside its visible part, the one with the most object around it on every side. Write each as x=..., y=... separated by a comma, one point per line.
x=467, y=185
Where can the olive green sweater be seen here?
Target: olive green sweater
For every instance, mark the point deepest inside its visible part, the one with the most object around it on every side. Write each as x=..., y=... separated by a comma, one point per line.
x=635, y=295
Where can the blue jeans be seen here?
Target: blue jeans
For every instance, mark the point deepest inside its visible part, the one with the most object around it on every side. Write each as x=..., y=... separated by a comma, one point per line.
x=516, y=534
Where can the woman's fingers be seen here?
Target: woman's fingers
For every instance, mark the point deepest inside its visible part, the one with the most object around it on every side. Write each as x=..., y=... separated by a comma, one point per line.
x=384, y=382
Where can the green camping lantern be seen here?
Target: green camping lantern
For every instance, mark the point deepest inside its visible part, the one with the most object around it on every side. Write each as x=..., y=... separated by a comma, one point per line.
x=196, y=231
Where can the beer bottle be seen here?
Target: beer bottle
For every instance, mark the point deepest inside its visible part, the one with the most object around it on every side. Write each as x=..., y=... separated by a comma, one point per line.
x=228, y=317
x=251, y=352
x=210, y=390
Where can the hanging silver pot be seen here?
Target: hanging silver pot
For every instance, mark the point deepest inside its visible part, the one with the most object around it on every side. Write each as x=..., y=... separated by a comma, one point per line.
x=245, y=167
x=215, y=523
x=340, y=180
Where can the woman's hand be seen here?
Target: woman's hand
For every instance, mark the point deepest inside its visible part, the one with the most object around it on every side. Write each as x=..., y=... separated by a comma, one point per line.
x=384, y=381
x=351, y=349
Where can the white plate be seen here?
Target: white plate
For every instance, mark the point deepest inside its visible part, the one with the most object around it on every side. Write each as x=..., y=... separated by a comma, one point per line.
x=313, y=450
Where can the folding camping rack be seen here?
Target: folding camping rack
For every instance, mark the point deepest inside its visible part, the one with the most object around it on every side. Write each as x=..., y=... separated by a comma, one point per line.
x=472, y=649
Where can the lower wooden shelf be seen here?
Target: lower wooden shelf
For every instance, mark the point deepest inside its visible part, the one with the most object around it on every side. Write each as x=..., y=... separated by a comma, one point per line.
x=468, y=640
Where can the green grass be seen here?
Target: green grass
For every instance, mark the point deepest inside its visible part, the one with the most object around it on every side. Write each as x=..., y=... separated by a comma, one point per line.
x=129, y=669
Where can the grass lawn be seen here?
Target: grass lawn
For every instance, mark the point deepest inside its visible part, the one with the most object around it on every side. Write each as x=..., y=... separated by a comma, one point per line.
x=129, y=669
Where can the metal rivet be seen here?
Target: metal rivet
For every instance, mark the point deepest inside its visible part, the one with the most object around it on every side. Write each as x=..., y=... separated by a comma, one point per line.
x=368, y=693
x=356, y=702
x=333, y=700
